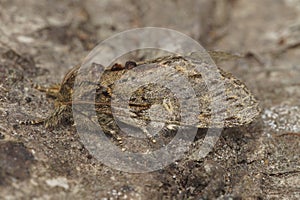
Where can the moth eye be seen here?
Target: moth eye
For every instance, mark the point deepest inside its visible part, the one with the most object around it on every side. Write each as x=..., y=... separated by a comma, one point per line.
x=130, y=64
x=117, y=67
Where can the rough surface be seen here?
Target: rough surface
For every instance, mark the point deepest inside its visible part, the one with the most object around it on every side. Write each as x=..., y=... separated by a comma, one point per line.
x=49, y=37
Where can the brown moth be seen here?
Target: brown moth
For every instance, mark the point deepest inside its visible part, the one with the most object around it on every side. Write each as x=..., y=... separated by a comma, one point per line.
x=241, y=106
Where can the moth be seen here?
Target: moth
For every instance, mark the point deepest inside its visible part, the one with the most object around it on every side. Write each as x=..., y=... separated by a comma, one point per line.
x=153, y=102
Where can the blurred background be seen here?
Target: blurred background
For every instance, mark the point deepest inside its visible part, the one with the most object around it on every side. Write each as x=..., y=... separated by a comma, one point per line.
x=41, y=40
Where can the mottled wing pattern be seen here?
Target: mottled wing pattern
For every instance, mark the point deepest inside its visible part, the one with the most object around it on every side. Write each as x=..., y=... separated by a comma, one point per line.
x=238, y=106
x=156, y=103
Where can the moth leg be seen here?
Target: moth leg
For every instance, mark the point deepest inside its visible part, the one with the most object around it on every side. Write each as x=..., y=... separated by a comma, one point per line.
x=115, y=137
x=61, y=115
x=149, y=136
x=168, y=105
x=111, y=129
x=32, y=122
x=51, y=91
